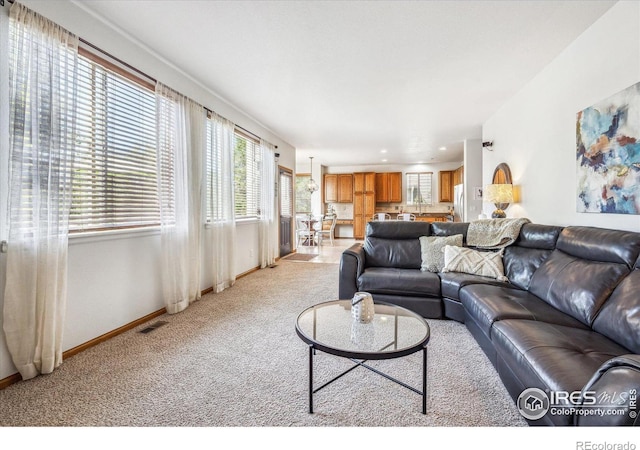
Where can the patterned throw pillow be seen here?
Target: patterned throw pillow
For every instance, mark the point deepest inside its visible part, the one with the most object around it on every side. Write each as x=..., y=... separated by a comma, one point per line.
x=432, y=248
x=462, y=259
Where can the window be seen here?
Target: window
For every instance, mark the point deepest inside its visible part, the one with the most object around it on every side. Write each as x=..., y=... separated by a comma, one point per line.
x=419, y=188
x=247, y=177
x=303, y=196
x=114, y=175
x=286, y=202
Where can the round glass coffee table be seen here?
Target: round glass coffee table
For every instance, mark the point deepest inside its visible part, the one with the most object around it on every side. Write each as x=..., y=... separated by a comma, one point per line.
x=394, y=332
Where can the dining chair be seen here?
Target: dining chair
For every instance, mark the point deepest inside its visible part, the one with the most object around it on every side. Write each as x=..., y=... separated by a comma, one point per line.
x=327, y=229
x=407, y=217
x=305, y=234
x=381, y=216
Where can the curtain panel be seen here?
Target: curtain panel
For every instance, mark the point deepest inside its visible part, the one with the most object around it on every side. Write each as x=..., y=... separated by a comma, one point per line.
x=43, y=98
x=222, y=203
x=181, y=128
x=268, y=232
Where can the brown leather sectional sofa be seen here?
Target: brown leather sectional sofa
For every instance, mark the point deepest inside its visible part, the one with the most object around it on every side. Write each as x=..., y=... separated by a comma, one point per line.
x=566, y=323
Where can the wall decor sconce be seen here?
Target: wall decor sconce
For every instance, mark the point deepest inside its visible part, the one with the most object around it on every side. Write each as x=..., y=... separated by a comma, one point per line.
x=488, y=145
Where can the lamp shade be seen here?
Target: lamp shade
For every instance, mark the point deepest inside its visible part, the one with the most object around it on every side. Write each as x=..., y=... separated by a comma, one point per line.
x=498, y=193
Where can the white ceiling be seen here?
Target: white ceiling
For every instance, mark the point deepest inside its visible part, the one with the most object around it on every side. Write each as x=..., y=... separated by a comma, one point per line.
x=343, y=80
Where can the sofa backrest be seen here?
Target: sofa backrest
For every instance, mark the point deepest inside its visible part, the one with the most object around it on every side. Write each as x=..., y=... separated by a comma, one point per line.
x=533, y=246
x=391, y=243
x=450, y=229
x=619, y=317
x=584, y=269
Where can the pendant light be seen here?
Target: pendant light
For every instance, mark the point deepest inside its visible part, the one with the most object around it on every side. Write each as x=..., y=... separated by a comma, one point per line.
x=312, y=186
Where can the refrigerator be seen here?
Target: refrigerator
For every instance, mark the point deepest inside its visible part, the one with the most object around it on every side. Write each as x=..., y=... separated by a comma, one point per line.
x=458, y=203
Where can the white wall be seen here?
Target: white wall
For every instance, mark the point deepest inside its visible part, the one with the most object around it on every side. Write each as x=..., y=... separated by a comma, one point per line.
x=535, y=132
x=472, y=178
x=114, y=279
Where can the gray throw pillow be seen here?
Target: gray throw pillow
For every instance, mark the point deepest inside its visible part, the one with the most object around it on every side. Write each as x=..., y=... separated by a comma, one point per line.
x=432, y=247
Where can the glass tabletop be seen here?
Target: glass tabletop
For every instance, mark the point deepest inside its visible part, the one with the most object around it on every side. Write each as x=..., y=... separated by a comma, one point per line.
x=393, y=332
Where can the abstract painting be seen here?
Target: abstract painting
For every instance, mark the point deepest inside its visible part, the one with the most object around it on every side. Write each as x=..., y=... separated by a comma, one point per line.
x=608, y=154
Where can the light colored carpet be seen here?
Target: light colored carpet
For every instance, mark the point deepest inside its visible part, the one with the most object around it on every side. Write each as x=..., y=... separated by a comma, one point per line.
x=233, y=359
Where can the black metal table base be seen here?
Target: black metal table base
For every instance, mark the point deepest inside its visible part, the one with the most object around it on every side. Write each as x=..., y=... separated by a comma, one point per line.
x=422, y=393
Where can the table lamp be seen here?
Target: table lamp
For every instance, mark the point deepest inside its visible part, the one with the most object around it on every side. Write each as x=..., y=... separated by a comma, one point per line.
x=501, y=195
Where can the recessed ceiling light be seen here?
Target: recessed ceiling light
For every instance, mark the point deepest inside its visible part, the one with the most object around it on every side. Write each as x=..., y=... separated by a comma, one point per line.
x=384, y=160
x=442, y=148
x=384, y=150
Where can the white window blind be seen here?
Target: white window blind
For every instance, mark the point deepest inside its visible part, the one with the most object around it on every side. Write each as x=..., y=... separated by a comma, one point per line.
x=419, y=188
x=286, y=200
x=114, y=183
x=247, y=177
x=217, y=177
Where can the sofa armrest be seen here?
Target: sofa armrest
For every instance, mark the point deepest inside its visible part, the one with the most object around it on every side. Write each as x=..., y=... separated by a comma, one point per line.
x=351, y=267
x=616, y=382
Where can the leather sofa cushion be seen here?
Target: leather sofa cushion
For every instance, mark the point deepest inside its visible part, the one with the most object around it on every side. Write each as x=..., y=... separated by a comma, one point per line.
x=395, y=281
x=520, y=263
x=537, y=236
x=598, y=244
x=449, y=229
x=489, y=304
x=396, y=229
x=452, y=282
x=399, y=253
x=546, y=355
x=619, y=318
x=576, y=286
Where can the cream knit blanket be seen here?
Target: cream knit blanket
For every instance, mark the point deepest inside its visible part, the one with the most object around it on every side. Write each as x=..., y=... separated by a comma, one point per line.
x=494, y=233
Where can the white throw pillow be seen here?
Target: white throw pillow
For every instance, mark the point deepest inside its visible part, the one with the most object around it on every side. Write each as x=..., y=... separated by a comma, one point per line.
x=432, y=248
x=463, y=259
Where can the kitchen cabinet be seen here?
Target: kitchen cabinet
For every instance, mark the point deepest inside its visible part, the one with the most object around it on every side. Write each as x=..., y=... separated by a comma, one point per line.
x=431, y=218
x=388, y=187
x=338, y=188
x=345, y=188
x=458, y=176
x=364, y=201
x=330, y=188
x=445, y=185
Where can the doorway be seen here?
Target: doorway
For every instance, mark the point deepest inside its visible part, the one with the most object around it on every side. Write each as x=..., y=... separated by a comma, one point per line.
x=285, y=178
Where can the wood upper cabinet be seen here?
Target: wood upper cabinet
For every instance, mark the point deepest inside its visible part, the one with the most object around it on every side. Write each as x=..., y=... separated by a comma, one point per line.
x=364, y=182
x=395, y=187
x=389, y=187
x=382, y=191
x=330, y=188
x=338, y=188
x=345, y=188
x=458, y=176
x=445, y=194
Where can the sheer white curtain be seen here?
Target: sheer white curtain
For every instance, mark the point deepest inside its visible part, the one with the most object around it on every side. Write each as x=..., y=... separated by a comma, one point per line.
x=268, y=233
x=181, y=143
x=42, y=93
x=222, y=207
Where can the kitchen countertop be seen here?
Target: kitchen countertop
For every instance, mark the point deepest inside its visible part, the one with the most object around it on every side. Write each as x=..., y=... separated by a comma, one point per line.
x=424, y=214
